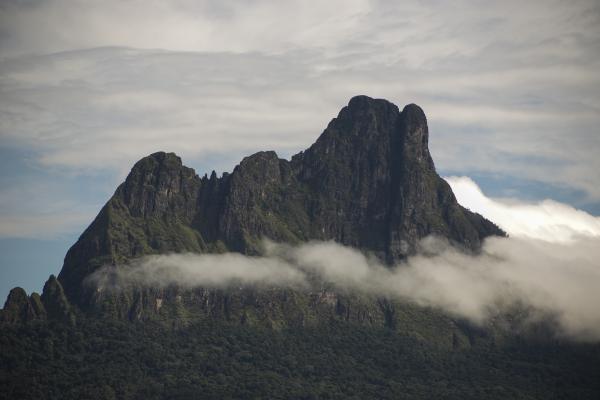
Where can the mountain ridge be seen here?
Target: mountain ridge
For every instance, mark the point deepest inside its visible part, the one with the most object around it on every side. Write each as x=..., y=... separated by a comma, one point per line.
x=368, y=182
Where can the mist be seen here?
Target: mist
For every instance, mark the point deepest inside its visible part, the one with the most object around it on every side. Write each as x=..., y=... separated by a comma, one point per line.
x=189, y=270
x=548, y=266
x=559, y=280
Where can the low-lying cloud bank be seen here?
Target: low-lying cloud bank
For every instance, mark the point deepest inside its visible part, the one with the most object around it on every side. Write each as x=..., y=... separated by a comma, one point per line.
x=557, y=279
x=549, y=266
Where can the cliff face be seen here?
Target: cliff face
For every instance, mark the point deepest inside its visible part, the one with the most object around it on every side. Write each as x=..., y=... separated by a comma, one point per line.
x=373, y=183
x=368, y=181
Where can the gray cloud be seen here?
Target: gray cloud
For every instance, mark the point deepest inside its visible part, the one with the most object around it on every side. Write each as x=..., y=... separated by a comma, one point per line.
x=182, y=25
x=106, y=108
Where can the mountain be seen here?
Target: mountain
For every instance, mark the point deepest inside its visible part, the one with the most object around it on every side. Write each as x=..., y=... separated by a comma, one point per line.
x=368, y=182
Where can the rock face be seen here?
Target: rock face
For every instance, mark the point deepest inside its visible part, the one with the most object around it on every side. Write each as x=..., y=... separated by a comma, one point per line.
x=368, y=182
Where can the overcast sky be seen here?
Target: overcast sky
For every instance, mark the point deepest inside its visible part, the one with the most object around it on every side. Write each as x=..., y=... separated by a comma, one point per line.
x=511, y=90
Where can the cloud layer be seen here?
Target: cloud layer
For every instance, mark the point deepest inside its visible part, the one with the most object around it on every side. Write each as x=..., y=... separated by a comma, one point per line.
x=549, y=268
x=550, y=280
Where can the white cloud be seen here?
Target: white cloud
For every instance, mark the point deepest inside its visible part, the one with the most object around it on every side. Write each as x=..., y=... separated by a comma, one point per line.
x=191, y=270
x=547, y=220
x=547, y=279
x=94, y=109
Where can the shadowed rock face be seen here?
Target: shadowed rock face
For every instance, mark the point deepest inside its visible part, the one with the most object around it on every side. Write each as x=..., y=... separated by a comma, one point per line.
x=368, y=181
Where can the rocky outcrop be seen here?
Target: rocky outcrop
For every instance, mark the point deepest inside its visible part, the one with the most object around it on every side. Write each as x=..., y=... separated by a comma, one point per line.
x=367, y=182
x=19, y=308
x=51, y=305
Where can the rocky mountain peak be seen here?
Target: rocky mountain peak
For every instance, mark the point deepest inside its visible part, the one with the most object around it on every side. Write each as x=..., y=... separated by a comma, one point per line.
x=160, y=185
x=17, y=307
x=375, y=131
x=368, y=181
x=263, y=163
x=363, y=104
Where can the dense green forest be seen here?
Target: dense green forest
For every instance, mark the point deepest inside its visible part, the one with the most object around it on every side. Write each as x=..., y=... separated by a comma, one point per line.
x=104, y=359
